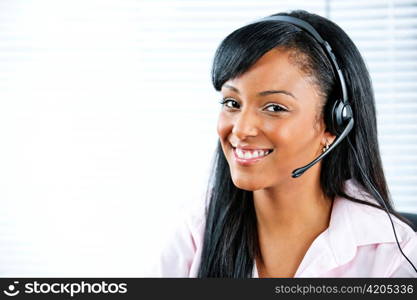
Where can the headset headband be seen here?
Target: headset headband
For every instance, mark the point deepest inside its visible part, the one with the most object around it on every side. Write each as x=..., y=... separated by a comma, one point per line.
x=325, y=45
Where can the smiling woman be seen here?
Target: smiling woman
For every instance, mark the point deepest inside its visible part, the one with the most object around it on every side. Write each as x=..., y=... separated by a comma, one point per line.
x=286, y=102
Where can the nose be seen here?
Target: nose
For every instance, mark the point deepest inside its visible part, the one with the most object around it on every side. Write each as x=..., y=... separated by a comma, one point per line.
x=245, y=125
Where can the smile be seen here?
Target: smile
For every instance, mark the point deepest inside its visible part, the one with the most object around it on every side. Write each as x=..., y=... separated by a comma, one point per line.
x=250, y=156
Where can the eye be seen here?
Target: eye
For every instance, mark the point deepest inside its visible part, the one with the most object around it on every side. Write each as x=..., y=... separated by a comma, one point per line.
x=275, y=108
x=230, y=103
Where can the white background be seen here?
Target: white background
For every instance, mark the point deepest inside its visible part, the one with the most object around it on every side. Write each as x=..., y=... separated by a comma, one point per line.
x=108, y=120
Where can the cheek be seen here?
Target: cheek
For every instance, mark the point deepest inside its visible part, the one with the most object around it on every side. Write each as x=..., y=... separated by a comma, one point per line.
x=283, y=134
x=295, y=139
x=224, y=126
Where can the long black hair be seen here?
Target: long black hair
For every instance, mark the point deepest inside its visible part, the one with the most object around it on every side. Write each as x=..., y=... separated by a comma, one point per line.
x=231, y=240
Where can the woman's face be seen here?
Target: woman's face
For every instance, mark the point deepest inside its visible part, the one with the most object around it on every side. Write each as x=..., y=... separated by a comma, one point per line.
x=270, y=122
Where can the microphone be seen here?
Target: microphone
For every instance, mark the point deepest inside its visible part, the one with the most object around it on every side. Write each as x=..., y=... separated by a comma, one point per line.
x=298, y=172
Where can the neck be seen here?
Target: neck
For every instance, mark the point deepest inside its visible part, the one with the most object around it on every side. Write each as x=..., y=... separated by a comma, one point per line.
x=295, y=206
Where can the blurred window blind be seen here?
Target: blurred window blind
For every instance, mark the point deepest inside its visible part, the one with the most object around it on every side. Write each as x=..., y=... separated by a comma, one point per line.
x=386, y=34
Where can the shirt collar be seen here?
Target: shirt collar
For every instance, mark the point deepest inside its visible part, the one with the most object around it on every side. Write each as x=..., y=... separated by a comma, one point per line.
x=351, y=225
x=365, y=224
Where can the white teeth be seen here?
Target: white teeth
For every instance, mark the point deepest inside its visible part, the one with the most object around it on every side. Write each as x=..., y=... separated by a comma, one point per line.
x=248, y=155
x=251, y=154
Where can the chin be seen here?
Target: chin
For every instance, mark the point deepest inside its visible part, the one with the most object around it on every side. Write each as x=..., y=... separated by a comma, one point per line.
x=248, y=184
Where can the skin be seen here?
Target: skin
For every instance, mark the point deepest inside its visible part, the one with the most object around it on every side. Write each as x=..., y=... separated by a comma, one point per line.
x=291, y=212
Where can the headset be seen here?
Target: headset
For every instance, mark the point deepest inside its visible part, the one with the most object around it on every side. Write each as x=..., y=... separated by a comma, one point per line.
x=341, y=115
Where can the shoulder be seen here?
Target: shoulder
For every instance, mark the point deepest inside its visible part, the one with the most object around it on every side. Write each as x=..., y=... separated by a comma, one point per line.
x=179, y=257
x=371, y=224
x=372, y=232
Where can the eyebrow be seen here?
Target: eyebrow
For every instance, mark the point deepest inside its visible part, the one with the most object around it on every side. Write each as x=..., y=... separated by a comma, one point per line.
x=264, y=93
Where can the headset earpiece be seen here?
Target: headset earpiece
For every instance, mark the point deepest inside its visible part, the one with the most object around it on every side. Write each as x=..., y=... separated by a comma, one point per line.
x=340, y=114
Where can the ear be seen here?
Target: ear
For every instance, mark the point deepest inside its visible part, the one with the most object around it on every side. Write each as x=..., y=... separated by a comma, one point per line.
x=327, y=138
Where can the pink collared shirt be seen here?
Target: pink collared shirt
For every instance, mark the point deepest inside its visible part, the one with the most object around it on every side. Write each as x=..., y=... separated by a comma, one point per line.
x=359, y=242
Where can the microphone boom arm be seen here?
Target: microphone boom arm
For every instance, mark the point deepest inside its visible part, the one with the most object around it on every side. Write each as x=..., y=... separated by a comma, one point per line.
x=298, y=172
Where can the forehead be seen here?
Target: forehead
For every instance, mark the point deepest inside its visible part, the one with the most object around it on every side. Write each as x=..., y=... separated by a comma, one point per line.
x=280, y=69
x=276, y=68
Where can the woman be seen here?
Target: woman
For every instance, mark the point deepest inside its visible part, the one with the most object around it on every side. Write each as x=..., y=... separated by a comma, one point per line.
x=278, y=87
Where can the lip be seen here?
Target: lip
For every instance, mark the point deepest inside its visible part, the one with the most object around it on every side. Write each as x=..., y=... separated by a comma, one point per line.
x=250, y=161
